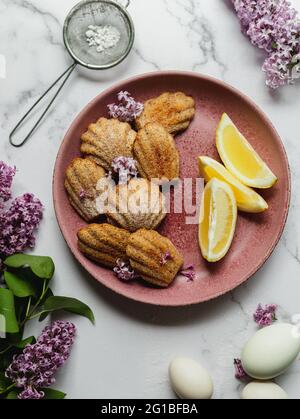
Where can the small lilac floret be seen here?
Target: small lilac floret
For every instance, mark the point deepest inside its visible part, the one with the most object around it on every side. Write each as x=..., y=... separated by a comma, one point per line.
x=189, y=272
x=125, y=168
x=127, y=110
x=240, y=373
x=265, y=316
x=124, y=272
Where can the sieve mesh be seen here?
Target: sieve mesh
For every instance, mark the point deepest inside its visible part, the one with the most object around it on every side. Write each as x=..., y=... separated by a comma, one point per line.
x=100, y=13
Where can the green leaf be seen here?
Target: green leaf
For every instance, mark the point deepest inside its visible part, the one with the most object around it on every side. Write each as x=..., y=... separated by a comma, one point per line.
x=4, y=382
x=28, y=341
x=15, y=338
x=42, y=266
x=18, y=285
x=7, y=310
x=51, y=394
x=13, y=395
x=70, y=305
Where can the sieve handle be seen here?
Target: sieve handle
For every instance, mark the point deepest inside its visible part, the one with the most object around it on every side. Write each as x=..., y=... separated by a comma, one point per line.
x=65, y=76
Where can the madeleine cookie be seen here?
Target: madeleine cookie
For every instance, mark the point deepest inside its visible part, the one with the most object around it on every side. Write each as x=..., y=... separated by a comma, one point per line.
x=138, y=204
x=107, y=139
x=103, y=243
x=172, y=110
x=82, y=177
x=154, y=257
x=156, y=154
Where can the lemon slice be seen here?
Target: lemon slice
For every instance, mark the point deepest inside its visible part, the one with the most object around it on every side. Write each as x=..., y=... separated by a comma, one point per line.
x=246, y=198
x=218, y=217
x=240, y=158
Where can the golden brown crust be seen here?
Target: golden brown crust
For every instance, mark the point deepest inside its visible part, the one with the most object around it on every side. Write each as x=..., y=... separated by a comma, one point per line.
x=140, y=204
x=103, y=243
x=107, y=139
x=82, y=176
x=156, y=153
x=146, y=250
x=172, y=110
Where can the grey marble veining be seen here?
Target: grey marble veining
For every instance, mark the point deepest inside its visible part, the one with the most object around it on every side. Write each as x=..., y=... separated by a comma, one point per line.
x=199, y=31
x=127, y=353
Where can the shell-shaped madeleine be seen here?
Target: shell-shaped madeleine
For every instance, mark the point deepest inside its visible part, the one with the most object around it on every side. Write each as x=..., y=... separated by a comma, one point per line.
x=138, y=204
x=82, y=177
x=103, y=243
x=154, y=257
x=156, y=154
x=107, y=139
x=173, y=110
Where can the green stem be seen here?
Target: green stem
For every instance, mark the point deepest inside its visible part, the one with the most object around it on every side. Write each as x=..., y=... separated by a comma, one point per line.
x=7, y=389
x=6, y=349
x=36, y=315
x=30, y=313
x=28, y=307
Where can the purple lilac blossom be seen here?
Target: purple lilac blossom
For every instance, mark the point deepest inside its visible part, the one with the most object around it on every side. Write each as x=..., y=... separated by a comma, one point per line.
x=35, y=368
x=124, y=272
x=125, y=168
x=82, y=194
x=127, y=110
x=18, y=224
x=189, y=272
x=265, y=316
x=240, y=373
x=7, y=174
x=165, y=258
x=274, y=26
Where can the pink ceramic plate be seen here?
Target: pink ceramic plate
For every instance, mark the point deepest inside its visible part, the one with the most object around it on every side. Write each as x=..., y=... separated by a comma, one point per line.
x=257, y=235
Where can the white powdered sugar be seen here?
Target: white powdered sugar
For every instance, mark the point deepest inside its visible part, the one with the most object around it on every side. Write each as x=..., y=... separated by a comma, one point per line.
x=102, y=37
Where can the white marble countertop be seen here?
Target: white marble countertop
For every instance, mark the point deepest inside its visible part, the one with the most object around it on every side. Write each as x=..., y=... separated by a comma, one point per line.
x=127, y=353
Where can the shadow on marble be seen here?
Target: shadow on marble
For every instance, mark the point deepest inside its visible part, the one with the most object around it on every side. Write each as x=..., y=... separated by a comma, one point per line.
x=110, y=74
x=165, y=316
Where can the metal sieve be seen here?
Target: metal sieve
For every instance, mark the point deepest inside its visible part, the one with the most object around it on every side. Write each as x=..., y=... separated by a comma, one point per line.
x=84, y=14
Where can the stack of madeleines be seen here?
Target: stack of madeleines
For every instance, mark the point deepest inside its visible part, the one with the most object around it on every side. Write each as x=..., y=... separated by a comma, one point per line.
x=129, y=235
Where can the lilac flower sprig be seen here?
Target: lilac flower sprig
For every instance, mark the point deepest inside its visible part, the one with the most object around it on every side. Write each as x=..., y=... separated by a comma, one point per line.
x=274, y=26
x=36, y=367
x=19, y=223
x=127, y=110
x=7, y=174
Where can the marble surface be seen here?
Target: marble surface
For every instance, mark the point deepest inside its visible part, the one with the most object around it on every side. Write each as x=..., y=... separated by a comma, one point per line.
x=127, y=353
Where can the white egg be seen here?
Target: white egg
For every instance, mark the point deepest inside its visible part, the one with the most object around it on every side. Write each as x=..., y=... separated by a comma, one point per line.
x=190, y=380
x=271, y=351
x=259, y=390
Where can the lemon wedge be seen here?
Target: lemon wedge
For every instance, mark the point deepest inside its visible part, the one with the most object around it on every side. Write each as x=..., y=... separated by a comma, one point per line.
x=246, y=198
x=240, y=158
x=218, y=215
